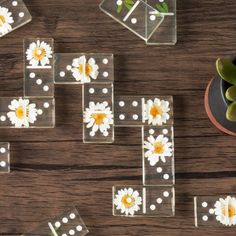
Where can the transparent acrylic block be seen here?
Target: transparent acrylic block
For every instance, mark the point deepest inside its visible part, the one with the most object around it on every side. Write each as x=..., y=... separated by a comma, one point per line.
x=13, y=15
x=128, y=111
x=27, y=112
x=166, y=33
x=158, y=155
x=134, y=15
x=4, y=157
x=38, y=66
x=98, y=113
x=80, y=68
x=149, y=201
x=215, y=211
x=69, y=223
x=143, y=111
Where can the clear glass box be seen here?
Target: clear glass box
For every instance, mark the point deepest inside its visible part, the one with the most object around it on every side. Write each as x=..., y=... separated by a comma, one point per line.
x=158, y=155
x=27, y=112
x=4, y=157
x=80, y=68
x=149, y=201
x=38, y=67
x=98, y=113
x=143, y=111
x=215, y=211
x=68, y=224
x=152, y=20
x=13, y=15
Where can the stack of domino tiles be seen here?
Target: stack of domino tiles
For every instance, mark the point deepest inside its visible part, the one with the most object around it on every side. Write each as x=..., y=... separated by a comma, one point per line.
x=156, y=197
x=36, y=108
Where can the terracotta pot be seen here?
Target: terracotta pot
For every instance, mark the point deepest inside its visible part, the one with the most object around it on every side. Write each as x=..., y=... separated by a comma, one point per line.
x=216, y=105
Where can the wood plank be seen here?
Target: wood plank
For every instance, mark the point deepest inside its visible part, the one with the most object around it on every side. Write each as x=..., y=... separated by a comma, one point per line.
x=52, y=169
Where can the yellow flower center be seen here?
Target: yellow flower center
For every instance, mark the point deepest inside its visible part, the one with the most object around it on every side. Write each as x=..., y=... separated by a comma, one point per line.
x=87, y=68
x=39, y=53
x=231, y=211
x=158, y=148
x=155, y=111
x=128, y=201
x=20, y=112
x=99, y=118
x=2, y=20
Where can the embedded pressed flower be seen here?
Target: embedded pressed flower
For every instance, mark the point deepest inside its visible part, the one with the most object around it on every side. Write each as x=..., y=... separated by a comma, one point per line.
x=225, y=211
x=39, y=53
x=156, y=112
x=162, y=7
x=22, y=113
x=98, y=116
x=128, y=201
x=83, y=71
x=127, y=3
x=157, y=149
x=6, y=20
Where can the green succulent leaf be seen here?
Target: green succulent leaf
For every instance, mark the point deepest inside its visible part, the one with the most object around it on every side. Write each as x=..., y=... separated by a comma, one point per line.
x=162, y=7
x=231, y=93
x=231, y=112
x=227, y=70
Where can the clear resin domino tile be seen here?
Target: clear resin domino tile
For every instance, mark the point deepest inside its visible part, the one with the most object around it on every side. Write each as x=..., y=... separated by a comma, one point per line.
x=13, y=14
x=158, y=155
x=4, y=157
x=128, y=111
x=143, y=111
x=158, y=110
x=68, y=224
x=27, y=112
x=215, y=211
x=133, y=15
x=167, y=31
x=150, y=201
x=98, y=113
x=80, y=68
x=38, y=65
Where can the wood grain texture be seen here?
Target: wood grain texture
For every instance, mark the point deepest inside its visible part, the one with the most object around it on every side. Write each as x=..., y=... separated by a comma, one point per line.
x=53, y=170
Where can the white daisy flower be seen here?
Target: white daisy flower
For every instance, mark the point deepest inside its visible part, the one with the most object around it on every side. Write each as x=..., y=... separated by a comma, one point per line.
x=22, y=113
x=39, y=53
x=6, y=20
x=156, y=112
x=157, y=149
x=83, y=71
x=128, y=201
x=225, y=211
x=98, y=116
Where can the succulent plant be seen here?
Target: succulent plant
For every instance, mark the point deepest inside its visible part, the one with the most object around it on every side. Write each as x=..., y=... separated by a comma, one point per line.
x=227, y=71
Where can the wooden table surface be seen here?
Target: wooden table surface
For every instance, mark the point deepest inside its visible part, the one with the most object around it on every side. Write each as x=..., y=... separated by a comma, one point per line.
x=52, y=170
